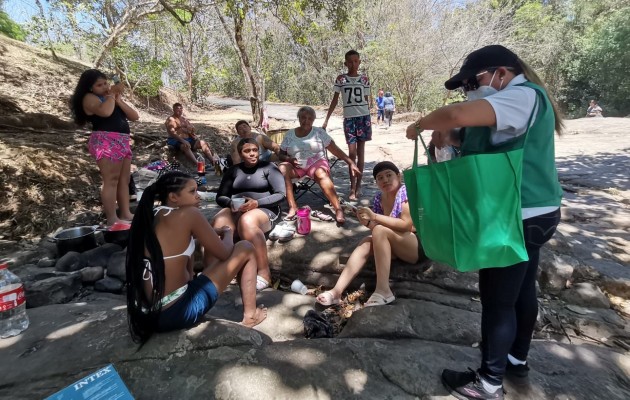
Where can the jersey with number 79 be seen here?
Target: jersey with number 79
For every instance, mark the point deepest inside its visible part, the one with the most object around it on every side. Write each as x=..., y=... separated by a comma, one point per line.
x=354, y=92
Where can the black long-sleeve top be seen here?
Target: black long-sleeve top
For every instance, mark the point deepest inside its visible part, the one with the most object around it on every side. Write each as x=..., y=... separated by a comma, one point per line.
x=263, y=183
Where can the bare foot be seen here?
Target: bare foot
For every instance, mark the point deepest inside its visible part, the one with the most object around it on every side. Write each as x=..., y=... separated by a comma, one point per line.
x=339, y=217
x=127, y=217
x=352, y=197
x=259, y=316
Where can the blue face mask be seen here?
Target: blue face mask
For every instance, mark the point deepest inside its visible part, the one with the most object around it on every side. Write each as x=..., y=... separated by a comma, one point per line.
x=482, y=91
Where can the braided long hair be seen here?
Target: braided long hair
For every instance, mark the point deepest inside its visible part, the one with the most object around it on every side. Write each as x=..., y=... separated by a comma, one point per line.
x=143, y=311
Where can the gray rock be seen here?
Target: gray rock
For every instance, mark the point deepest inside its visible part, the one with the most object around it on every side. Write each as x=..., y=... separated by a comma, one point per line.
x=555, y=271
x=46, y=262
x=116, y=265
x=30, y=256
x=613, y=277
x=586, y=294
x=54, y=290
x=415, y=319
x=71, y=261
x=109, y=285
x=30, y=272
x=92, y=274
x=98, y=257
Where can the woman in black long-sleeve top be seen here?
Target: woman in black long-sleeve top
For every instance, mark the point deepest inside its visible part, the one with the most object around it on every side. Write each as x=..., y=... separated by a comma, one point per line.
x=261, y=185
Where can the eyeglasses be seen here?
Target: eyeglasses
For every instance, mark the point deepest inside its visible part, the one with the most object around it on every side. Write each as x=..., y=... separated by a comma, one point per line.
x=473, y=83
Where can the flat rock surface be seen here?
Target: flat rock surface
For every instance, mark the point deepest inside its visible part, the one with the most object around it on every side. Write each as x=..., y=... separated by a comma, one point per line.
x=399, y=359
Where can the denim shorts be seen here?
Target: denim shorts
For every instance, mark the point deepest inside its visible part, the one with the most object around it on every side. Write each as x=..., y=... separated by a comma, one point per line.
x=186, y=311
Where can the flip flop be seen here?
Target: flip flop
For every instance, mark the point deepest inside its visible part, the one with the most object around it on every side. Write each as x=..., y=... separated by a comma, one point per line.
x=290, y=217
x=261, y=283
x=377, y=299
x=321, y=216
x=327, y=299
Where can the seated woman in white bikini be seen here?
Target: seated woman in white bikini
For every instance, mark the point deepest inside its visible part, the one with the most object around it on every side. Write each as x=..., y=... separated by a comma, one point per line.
x=163, y=293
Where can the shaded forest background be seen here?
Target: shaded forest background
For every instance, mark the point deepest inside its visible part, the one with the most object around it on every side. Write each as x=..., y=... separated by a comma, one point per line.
x=291, y=50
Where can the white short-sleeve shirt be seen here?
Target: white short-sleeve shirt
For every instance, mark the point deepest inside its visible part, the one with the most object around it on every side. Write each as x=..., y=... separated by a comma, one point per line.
x=353, y=91
x=308, y=149
x=513, y=106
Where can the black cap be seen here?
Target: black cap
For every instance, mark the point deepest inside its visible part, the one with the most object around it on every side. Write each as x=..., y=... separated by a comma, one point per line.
x=485, y=57
x=383, y=165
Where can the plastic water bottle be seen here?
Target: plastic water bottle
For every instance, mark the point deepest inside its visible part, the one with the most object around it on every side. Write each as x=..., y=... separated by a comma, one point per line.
x=13, y=318
x=304, y=221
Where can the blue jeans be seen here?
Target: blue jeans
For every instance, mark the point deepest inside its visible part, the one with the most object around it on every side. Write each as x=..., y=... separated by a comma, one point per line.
x=509, y=303
x=187, y=310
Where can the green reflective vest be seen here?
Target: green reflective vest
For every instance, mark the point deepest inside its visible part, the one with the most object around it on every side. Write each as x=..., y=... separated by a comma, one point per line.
x=540, y=186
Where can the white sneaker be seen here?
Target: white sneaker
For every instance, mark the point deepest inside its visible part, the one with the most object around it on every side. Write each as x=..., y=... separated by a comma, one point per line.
x=282, y=233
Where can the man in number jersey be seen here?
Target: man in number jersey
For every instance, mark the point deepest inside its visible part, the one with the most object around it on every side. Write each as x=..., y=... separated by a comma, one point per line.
x=354, y=89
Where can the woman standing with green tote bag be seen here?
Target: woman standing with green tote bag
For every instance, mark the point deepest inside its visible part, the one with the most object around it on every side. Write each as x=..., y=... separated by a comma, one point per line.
x=508, y=109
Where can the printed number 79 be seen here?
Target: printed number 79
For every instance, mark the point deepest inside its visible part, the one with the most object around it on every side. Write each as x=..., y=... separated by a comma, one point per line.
x=358, y=94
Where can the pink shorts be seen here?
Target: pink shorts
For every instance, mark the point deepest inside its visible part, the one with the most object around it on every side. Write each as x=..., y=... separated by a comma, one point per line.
x=310, y=171
x=111, y=145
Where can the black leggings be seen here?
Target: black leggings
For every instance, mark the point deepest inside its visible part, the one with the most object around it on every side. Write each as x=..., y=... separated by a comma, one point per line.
x=509, y=303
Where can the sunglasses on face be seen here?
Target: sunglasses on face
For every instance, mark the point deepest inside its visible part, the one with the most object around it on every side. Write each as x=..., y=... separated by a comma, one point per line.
x=473, y=83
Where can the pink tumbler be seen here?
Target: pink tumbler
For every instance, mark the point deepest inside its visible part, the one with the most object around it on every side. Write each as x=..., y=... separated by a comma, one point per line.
x=304, y=221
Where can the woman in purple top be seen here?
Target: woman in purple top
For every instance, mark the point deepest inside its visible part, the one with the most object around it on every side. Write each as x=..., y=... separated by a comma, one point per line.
x=393, y=236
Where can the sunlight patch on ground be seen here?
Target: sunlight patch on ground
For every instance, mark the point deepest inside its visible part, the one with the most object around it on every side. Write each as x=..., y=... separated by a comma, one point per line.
x=8, y=342
x=251, y=378
x=300, y=357
x=68, y=330
x=562, y=352
x=356, y=380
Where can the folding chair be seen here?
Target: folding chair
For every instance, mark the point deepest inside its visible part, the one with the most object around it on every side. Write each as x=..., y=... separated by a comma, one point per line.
x=306, y=183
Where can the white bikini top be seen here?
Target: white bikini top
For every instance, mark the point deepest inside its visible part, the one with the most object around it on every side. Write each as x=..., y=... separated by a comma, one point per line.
x=188, y=252
x=191, y=246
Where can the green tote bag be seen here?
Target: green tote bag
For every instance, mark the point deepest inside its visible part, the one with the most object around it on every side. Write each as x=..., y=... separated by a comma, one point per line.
x=467, y=211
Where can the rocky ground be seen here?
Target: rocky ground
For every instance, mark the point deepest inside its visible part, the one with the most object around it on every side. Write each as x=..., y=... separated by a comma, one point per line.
x=582, y=341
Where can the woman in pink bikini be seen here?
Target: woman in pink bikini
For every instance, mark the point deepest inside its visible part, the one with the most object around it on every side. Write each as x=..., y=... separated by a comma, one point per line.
x=163, y=293
x=95, y=101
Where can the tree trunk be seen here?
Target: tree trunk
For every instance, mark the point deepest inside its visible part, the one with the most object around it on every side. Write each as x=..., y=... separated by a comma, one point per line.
x=252, y=81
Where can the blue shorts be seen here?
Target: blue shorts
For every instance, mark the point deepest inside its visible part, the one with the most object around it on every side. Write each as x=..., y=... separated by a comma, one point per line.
x=186, y=311
x=177, y=144
x=357, y=129
x=380, y=114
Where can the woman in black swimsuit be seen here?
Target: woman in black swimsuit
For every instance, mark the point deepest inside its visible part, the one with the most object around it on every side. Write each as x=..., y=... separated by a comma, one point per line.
x=262, y=186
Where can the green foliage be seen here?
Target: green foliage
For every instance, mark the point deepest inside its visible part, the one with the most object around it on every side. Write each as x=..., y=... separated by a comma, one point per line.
x=143, y=72
x=600, y=68
x=10, y=28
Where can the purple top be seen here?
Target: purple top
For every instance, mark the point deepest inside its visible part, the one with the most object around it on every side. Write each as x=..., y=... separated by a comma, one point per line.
x=401, y=197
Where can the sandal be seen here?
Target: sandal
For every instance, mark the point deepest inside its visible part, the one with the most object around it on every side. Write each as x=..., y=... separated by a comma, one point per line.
x=261, y=283
x=327, y=299
x=290, y=217
x=377, y=299
x=321, y=216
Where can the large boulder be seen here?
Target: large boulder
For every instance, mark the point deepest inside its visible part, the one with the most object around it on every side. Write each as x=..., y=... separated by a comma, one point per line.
x=109, y=285
x=555, y=271
x=116, y=267
x=53, y=290
x=71, y=261
x=586, y=294
x=99, y=256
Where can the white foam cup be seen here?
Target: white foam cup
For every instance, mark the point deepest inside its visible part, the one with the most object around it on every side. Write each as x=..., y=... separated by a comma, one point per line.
x=298, y=287
x=237, y=203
